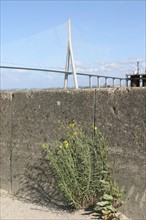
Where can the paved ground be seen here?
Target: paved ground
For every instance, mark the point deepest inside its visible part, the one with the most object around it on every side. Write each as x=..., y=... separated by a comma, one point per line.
x=13, y=209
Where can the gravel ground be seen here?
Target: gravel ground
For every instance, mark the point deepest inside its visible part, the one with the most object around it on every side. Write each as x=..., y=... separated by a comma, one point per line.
x=13, y=209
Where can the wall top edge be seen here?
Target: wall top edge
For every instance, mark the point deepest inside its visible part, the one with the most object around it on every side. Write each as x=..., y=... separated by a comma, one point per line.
x=9, y=93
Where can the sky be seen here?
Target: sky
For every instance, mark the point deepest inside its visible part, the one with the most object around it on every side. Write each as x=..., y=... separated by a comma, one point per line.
x=108, y=38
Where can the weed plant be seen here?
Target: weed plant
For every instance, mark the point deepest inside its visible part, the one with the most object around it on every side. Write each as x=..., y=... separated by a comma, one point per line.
x=80, y=162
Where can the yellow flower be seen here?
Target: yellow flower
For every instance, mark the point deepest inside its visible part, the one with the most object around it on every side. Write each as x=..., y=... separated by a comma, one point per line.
x=60, y=146
x=44, y=146
x=65, y=144
x=75, y=133
x=95, y=128
x=71, y=125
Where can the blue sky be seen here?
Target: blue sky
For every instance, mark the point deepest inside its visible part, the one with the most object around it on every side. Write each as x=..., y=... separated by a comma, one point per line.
x=108, y=37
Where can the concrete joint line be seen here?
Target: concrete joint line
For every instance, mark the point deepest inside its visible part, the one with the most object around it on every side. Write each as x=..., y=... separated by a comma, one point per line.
x=11, y=139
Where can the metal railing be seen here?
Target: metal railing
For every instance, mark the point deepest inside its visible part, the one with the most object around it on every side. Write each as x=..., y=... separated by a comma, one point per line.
x=101, y=81
x=105, y=82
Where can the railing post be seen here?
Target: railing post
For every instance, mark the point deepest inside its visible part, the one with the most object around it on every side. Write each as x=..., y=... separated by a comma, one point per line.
x=120, y=82
x=113, y=82
x=97, y=81
x=106, y=81
x=90, y=81
x=126, y=78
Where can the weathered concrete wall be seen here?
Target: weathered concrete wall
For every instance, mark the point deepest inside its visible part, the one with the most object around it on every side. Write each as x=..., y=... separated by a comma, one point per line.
x=30, y=118
x=121, y=114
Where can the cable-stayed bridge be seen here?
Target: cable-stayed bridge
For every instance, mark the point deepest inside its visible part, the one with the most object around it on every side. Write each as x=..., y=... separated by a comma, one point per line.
x=57, y=58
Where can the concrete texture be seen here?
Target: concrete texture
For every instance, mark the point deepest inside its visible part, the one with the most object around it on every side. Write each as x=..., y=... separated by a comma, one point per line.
x=122, y=117
x=30, y=118
x=5, y=139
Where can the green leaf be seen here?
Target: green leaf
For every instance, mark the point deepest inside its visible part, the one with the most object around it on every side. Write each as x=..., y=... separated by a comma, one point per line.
x=110, y=207
x=103, y=203
x=104, y=182
x=106, y=212
x=108, y=197
x=99, y=208
x=104, y=171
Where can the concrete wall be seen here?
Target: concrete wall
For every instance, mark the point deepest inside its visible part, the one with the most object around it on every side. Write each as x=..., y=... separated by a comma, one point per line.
x=30, y=118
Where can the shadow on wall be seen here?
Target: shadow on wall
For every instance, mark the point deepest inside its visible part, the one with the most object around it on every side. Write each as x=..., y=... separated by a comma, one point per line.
x=38, y=186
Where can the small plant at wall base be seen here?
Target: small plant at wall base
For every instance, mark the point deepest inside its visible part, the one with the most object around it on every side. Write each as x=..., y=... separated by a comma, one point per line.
x=110, y=200
x=82, y=171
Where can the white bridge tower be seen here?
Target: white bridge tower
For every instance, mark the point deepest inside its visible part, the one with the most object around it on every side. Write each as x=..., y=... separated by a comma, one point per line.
x=69, y=58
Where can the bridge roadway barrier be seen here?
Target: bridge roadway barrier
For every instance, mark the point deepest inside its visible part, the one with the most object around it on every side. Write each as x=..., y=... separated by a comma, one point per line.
x=30, y=118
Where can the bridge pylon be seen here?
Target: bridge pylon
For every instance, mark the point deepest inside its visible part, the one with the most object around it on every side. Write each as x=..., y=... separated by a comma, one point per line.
x=70, y=57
